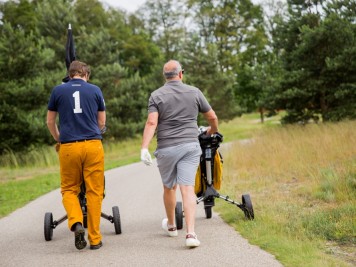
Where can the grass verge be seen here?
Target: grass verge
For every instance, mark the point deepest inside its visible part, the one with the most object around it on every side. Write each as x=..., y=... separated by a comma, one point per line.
x=302, y=182
x=15, y=194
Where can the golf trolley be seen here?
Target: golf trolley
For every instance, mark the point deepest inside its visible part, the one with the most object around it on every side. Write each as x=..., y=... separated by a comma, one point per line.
x=49, y=224
x=207, y=194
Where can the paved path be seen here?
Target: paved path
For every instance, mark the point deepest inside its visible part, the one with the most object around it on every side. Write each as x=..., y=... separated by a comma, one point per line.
x=137, y=190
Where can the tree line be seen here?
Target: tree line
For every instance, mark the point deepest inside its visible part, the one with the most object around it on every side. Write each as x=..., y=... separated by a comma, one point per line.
x=298, y=56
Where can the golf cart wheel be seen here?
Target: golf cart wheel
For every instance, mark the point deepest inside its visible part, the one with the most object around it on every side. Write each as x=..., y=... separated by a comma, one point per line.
x=248, y=208
x=208, y=212
x=179, y=215
x=116, y=219
x=48, y=226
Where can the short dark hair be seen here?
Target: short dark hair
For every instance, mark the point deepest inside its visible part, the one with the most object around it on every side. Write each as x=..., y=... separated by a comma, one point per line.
x=78, y=68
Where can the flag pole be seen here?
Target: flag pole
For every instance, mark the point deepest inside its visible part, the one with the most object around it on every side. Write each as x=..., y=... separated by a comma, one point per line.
x=69, y=51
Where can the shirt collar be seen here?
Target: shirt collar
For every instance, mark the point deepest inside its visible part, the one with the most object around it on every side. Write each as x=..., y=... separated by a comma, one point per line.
x=174, y=81
x=77, y=80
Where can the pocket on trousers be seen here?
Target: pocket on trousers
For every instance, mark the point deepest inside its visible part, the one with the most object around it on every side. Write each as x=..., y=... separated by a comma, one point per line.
x=194, y=148
x=158, y=154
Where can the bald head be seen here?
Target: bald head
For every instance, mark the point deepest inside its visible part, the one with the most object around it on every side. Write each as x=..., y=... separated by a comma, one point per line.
x=172, y=70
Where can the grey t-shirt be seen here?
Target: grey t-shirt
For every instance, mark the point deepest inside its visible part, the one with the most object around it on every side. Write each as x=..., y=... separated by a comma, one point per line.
x=178, y=106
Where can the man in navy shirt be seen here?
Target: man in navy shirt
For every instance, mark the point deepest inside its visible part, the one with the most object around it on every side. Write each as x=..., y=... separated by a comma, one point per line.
x=81, y=109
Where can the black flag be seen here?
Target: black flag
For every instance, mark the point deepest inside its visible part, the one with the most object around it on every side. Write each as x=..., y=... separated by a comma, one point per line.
x=70, y=51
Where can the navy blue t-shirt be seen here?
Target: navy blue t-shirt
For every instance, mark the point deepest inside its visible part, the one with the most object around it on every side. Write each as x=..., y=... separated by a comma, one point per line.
x=77, y=103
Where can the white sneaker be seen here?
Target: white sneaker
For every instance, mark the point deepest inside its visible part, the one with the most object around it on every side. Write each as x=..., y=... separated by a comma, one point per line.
x=171, y=231
x=191, y=240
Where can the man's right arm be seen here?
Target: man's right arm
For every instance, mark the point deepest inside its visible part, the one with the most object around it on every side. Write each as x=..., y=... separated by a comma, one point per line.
x=51, y=124
x=212, y=119
x=150, y=128
x=148, y=133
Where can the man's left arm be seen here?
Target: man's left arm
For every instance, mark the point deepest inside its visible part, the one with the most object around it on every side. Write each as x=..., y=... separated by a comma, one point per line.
x=101, y=119
x=212, y=119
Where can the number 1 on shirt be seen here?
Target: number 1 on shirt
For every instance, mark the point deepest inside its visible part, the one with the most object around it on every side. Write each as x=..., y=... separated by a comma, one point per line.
x=77, y=108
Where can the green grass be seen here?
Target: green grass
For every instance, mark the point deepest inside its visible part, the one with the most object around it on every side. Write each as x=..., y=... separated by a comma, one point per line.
x=245, y=127
x=15, y=194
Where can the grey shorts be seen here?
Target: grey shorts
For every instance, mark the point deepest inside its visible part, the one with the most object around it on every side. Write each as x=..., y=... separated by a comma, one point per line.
x=178, y=164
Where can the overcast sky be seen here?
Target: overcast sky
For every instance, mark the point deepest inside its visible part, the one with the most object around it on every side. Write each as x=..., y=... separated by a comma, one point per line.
x=133, y=5
x=128, y=5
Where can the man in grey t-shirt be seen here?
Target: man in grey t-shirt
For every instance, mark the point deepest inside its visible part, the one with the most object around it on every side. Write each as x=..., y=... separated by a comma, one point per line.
x=173, y=110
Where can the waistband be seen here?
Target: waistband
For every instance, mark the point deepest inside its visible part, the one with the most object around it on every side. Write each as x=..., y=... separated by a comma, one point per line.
x=81, y=140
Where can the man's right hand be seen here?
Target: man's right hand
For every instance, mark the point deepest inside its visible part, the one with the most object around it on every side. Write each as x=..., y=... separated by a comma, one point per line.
x=57, y=147
x=146, y=156
x=210, y=132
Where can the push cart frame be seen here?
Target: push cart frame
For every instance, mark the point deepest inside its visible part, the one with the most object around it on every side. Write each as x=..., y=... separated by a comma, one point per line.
x=50, y=224
x=209, y=145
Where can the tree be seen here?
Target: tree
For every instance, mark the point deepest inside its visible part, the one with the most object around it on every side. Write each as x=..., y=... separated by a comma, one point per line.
x=91, y=14
x=236, y=29
x=165, y=22
x=54, y=16
x=21, y=15
x=234, y=26
x=318, y=63
x=202, y=71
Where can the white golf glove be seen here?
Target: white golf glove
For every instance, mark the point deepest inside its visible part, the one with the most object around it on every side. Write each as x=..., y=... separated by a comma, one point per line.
x=146, y=156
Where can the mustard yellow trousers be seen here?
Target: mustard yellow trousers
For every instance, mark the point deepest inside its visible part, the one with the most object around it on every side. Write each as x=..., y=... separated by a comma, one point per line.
x=83, y=162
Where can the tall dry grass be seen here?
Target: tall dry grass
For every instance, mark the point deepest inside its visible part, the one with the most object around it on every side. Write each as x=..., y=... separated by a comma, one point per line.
x=26, y=165
x=302, y=181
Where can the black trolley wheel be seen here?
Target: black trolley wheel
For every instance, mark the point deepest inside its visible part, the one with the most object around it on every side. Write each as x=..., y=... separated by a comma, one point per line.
x=48, y=226
x=247, y=207
x=179, y=215
x=116, y=219
x=208, y=212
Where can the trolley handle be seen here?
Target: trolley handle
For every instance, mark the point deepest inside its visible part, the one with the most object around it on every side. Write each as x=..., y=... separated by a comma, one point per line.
x=214, y=139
